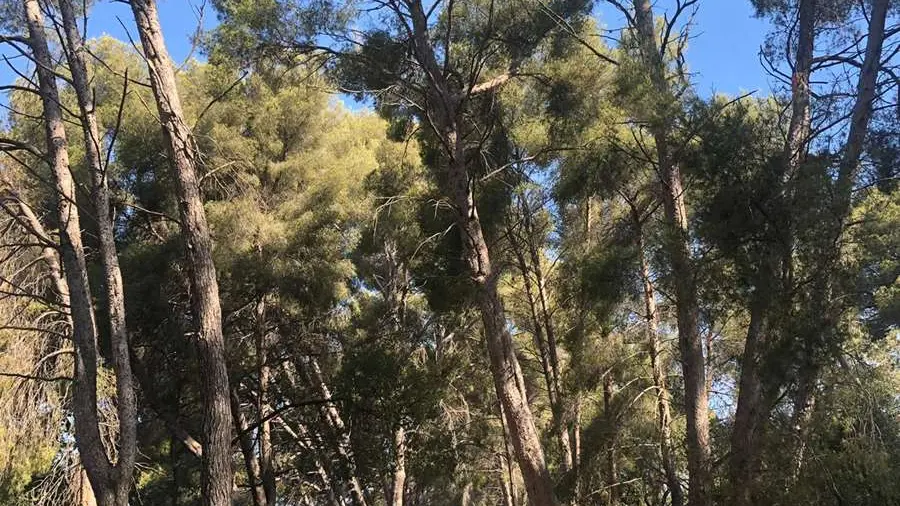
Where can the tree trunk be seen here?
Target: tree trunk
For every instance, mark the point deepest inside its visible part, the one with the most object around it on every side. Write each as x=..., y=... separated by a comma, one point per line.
x=444, y=111
x=93, y=456
x=663, y=411
x=678, y=249
x=126, y=404
x=302, y=436
x=217, y=474
x=399, y=476
x=751, y=406
x=823, y=303
x=251, y=462
x=339, y=430
x=266, y=452
x=612, y=468
x=542, y=345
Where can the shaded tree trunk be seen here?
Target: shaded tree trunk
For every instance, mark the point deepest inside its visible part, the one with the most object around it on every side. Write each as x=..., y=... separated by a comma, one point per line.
x=612, y=468
x=217, y=474
x=657, y=364
x=752, y=408
x=264, y=409
x=251, y=462
x=445, y=114
x=679, y=254
x=824, y=306
x=339, y=430
x=126, y=403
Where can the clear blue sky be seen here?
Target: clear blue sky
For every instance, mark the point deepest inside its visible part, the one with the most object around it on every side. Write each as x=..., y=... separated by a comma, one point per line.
x=722, y=54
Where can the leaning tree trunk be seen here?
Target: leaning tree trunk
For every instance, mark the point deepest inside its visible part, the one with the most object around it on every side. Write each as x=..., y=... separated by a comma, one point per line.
x=126, y=404
x=445, y=115
x=84, y=406
x=217, y=474
x=678, y=250
x=251, y=461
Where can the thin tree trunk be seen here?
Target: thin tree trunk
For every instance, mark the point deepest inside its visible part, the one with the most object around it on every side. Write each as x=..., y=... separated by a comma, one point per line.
x=678, y=249
x=663, y=410
x=558, y=404
x=84, y=334
x=544, y=353
x=303, y=438
x=445, y=115
x=266, y=452
x=126, y=404
x=217, y=474
x=251, y=462
x=612, y=468
x=338, y=428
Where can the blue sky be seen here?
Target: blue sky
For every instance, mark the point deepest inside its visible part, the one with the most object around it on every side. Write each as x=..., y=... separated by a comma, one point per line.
x=723, y=54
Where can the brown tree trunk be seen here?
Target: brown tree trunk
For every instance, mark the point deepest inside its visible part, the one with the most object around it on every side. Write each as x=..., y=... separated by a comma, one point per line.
x=445, y=114
x=751, y=411
x=657, y=364
x=678, y=250
x=264, y=409
x=217, y=474
x=251, y=462
x=398, y=484
x=339, y=430
x=302, y=436
x=612, y=467
x=542, y=345
x=823, y=303
x=93, y=456
x=126, y=404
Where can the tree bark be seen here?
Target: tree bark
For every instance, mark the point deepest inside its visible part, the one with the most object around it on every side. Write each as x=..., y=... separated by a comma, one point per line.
x=445, y=114
x=663, y=410
x=848, y=170
x=217, y=474
x=398, y=487
x=339, y=430
x=93, y=456
x=751, y=409
x=612, y=467
x=251, y=462
x=266, y=452
x=679, y=253
x=126, y=404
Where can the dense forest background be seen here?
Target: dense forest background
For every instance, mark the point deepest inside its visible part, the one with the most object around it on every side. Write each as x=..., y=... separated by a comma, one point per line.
x=528, y=264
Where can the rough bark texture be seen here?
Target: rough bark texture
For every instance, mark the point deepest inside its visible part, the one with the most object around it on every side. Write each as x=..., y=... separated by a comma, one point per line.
x=445, y=114
x=217, y=474
x=663, y=411
x=679, y=254
x=398, y=484
x=99, y=470
x=126, y=404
